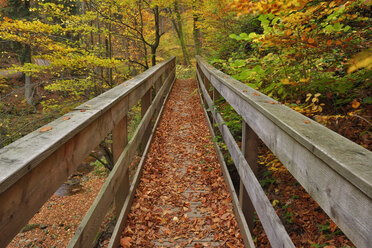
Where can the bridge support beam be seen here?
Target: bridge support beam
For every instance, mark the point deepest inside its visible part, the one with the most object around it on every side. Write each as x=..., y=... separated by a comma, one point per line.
x=145, y=104
x=120, y=141
x=249, y=149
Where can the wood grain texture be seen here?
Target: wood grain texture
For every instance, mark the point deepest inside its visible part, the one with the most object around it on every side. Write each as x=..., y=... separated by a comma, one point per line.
x=23, y=199
x=24, y=164
x=250, y=152
x=336, y=172
x=274, y=229
x=115, y=238
x=239, y=215
x=87, y=230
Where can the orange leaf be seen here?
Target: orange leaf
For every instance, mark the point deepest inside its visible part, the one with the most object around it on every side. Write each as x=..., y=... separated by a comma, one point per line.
x=307, y=122
x=66, y=118
x=125, y=242
x=355, y=104
x=256, y=94
x=333, y=226
x=311, y=40
x=338, y=43
x=45, y=129
x=329, y=42
x=288, y=32
x=83, y=110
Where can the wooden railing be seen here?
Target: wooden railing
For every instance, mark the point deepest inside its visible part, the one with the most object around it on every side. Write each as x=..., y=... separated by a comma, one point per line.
x=336, y=172
x=33, y=167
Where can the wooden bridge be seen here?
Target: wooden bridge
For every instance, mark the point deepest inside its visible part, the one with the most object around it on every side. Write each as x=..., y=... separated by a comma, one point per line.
x=336, y=172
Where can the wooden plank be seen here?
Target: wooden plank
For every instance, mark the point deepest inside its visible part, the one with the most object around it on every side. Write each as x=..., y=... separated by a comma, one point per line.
x=244, y=229
x=24, y=164
x=87, y=230
x=115, y=238
x=145, y=103
x=21, y=201
x=313, y=154
x=23, y=155
x=274, y=229
x=119, y=138
x=250, y=151
x=349, y=159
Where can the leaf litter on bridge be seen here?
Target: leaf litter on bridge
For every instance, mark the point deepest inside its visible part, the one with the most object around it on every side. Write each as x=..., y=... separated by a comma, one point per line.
x=182, y=199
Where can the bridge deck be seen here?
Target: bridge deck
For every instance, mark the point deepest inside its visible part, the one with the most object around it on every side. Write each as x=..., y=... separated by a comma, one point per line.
x=182, y=199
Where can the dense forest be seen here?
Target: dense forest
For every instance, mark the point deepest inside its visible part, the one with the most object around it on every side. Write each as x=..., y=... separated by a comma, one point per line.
x=315, y=56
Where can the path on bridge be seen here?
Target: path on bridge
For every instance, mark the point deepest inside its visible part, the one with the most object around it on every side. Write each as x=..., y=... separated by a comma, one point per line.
x=182, y=199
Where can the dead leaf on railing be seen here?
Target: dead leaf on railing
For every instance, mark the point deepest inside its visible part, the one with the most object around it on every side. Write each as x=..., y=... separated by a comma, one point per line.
x=45, y=129
x=66, y=118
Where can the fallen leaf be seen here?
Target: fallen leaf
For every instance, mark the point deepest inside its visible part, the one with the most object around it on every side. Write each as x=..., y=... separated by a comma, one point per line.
x=125, y=242
x=307, y=122
x=45, y=129
x=355, y=104
x=311, y=40
x=256, y=94
x=66, y=118
x=83, y=110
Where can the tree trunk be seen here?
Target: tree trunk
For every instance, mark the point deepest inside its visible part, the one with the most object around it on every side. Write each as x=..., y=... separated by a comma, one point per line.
x=196, y=30
x=179, y=29
x=28, y=83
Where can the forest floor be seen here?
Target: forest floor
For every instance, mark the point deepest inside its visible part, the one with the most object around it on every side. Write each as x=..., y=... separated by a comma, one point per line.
x=56, y=221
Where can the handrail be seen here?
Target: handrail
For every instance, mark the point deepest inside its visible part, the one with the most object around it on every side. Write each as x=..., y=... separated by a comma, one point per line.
x=33, y=167
x=336, y=172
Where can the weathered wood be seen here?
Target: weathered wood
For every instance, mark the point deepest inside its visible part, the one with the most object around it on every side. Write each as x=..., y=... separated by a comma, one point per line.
x=119, y=138
x=86, y=232
x=23, y=199
x=274, y=229
x=249, y=150
x=115, y=238
x=21, y=156
x=145, y=103
x=119, y=141
x=313, y=154
x=244, y=229
x=33, y=167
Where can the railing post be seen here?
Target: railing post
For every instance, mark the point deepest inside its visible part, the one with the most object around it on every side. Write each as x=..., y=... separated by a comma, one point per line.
x=249, y=149
x=119, y=141
x=145, y=104
x=158, y=84
x=216, y=96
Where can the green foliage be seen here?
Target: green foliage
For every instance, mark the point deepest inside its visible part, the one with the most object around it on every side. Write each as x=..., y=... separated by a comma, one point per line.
x=289, y=57
x=99, y=168
x=185, y=72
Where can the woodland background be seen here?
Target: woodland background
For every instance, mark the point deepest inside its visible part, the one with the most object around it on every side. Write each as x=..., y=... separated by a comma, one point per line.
x=315, y=56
